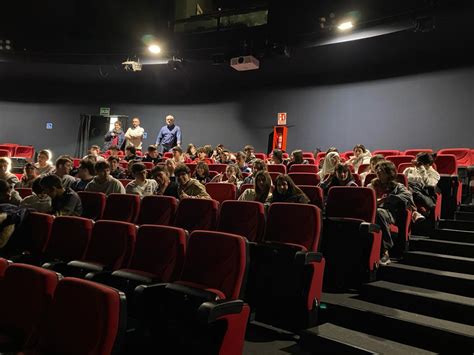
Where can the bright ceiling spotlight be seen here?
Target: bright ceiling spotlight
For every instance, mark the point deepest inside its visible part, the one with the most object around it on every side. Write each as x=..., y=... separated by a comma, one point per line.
x=345, y=26
x=155, y=49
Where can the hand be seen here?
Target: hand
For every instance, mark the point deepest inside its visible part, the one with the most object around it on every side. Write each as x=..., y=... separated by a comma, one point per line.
x=183, y=195
x=112, y=134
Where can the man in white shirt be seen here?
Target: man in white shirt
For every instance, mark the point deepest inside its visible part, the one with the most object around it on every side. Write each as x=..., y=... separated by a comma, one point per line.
x=134, y=134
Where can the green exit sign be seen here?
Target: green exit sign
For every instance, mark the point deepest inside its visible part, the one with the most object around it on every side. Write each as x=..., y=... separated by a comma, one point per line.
x=105, y=111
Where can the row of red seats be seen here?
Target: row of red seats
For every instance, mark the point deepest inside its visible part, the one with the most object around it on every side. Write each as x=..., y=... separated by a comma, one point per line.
x=15, y=150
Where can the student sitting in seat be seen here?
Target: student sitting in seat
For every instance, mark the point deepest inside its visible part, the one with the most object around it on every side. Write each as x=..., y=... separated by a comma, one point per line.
x=296, y=158
x=202, y=156
x=258, y=165
x=39, y=200
x=261, y=191
x=64, y=201
x=30, y=173
x=201, y=173
x=165, y=186
x=191, y=152
x=361, y=156
x=141, y=185
x=85, y=173
x=287, y=191
x=372, y=163
x=63, y=169
x=342, y=176
x=189, y=187
x=5, y=174
x=43, y=164
x=8, y=195
x=240, y=161
x=152, y=155
x=276, y=157
x=232, y=175
x=103, y=182
x=116, y=171
x=330, y=162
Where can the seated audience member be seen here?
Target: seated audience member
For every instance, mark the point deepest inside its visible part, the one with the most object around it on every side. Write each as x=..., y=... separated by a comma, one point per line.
x=188, y=187
x=103, y=182
x=422, y=182
x=170, y=165
x=63, y=169
x=64, y=201
x=361, y=156
x=116, y=171
x=209, y=151
x=114, y=151
x=30, y=173
x=372, y=164
x=152, y=155
x=216, y=154
x=392, y=198
x=85, y=174
x=232, y=175
x=226, y=157
x=141, y=185
x=131, y=153
x=178, y=156
x=249, y=154
x=287, y=191
x=39, y=200
x=5, y=174
x=43, y=164
x=165, y=186
x=258, y=165
x=276, y=157
x=201, y=173
x=8, y=195
x=330, y=162
x=202, y=156
x=94, y=151
x=191, y=152
x=342, y=176
x=321, y=162
x=296, y=158
x=127, y=173
x=261, y=190
x=240, y=161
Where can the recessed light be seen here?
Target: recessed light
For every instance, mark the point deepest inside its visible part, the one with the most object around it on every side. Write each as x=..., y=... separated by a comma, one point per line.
x=345, y=26
x=155, y=49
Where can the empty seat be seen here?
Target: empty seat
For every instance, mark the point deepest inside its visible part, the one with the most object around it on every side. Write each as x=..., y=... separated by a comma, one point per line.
x=9, y=148
x=26, y=293
x=320, y=156
x=25, y=151
x=168, y=155
x=245, y=218
x=121, y=207
x=307, y=155
x=401, y=168
x=5, y=153
x=195, y=213
x=276, y=168
x=414, y=152
x=305, y=178
x=85, y=318
x=314, y=193
x=303, y=168
x=221, y=191
x=93, y=204
x=157, y=210
x=311, y=161
x=463, y=155
x=385, y=153
x=148, y=164
x=262, y=156
x=220, y=168
x=40, y=225
x=24, y=191
x=399, y=159
x=201, y=312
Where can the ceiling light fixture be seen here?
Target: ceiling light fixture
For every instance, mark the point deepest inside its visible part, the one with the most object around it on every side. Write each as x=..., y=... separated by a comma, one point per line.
x=155, y=49
x=345, y=26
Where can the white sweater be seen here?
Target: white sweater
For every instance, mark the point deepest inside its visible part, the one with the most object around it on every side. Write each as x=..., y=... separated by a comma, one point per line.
x=427, y=177
x=134, y=136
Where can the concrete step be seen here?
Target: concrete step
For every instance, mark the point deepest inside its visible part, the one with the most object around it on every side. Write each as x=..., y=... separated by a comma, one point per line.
x=453, y=235
x=431, y=303
x=442, y=246
x=420, y=331
x=456, y=224
x=464, y=216
x=439, y=280
x=439, y=261
x=333, y=339
x=466, y=208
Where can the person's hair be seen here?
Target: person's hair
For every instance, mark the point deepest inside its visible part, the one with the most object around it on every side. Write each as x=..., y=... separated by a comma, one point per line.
x=278, y=153
x=118, y=122
x=62, y=160
x=332, y=149
x=6, y=160
x=425, y=158
x=111, y=158
x=203, y=165
x=152, y=148
x=208, y=150
x=159, y=169
x=138, y=168
x=96, y=147
x=45, y=152
x=190, y=146
x=249, y=147
x=181, y=168
x=297, y=156
x=259, y=163
x=36, y=186
x=91, y=158
x=376, y=158
x=293, y=190
x=240, y=155
x=359, y=146
x=177, y=149
x=101, y=166
x=114, y=147
x=236, y=168
x=87, y=164
x=390, y=170
x=344, y=168
x=261, y=195
x=50, y=181
x=4, y=186
x=131, y=149
x=201, y=150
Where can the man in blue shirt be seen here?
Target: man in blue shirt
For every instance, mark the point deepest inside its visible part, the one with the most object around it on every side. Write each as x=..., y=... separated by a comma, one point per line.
x=169, y=136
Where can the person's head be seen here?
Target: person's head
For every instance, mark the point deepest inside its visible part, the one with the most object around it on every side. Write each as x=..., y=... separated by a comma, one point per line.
x=169, y=120
x=114, y=150
x=225, y=156
x=386, y=172
x=183, y=174
x=343, y=173
x=277, y=156
x=297, y=156
x=94, y=150
x=86, y=169
x=262, y=185
x=152, y=151
x=202, y=169
x=135, y=122
x=63, y=165
x=202, y=153
x=359, y=149
x=51, y=185
x=332, y=149
x=240, y=158
x=219, y=148
x=92, y=158
x=177, y=152
x=375, y=160
x=114, y=162
x=249, y=150
x=259, y=165
x=5, y=192
x=161, y=175
x=5, y=164
x=30, y=171
x=424, y=159
x=233, y=170
x=191, y=149
x=44, y=156
x=37, y=189
x=139, y=171
x=117, y=125
x=102, y=169
x=285, y=185
x=208, y=149
x=171, y=166
x=130, y=151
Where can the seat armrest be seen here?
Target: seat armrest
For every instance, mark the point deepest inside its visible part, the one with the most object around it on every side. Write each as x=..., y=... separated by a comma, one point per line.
x=93, y=267
x=304, y=258
x=58, y=266
x=98, y=276
x=369, y=228
x=210, y=312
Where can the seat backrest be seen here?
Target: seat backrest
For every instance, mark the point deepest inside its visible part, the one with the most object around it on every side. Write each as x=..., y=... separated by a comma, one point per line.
x=24, y=191
x=69, y=239
x=401, y=168
x=303, y=168
x=304, y=228
x=363, y=168
x=76, y=162
x=357, y=179
x=446, y=164
x=216, y=260
x=160, y=250
x=221, y=191
x=273, y=176
x=314, y=193
x=311, y=161
x=463, y=155
x=121, y=207
x=414, y=152
x=157, y=210
x=308, y=155
x=41, y=225
x=385, y=153
x=245, y=218
x=196, y=213
x=125, y=182
x=320, y=156
x=148, y=164
x=93, y=204
x=220, y=168
x=168, y=155
x=112, y=243
x=86, y=315
x=25, y=151
x=276, y=168
x=9, y=148
x=5, y=153
x=305, y=178
x=399, y=159
x=262, y=156
x=351, y=202
x=26, y=292
x=368, y=178
x=192, y=167
x=244, y=187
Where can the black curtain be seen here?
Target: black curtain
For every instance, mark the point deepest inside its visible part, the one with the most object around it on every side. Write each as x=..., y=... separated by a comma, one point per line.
x=82, y=143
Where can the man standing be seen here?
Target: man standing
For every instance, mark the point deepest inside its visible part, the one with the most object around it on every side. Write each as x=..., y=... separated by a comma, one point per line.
x=169, y=136
x=134, y=134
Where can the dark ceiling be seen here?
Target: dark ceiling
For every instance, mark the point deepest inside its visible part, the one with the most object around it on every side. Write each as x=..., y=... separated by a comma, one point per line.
x=81, y=44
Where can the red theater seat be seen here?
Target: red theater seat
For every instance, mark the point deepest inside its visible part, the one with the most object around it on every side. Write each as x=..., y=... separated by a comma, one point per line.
x=386, y=153
x=221, y=191
x=414, y=152
x=463, y=155
x=93, y=204
x=195, y=213
x=314, y=193
x=5, y=153
x=220, y=168
x=24, y=191
x=400, y=159
x=303, y=168
x=305, y=178
x=245, y=218
x=122, y=207
x=262, y=156
x=157, y=210
x=25, y=151
x=276, y=168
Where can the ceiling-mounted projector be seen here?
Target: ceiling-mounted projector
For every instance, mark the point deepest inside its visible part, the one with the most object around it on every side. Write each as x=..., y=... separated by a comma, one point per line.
x=247, y=62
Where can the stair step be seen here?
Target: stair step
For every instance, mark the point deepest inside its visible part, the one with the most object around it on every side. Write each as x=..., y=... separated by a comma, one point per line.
x=442, y=246
x=440, y=261
x=466, y=208
x=464, y=216
x=431, y=303
x=331, y=338
x=444, y=281
x=455, y=224
x=453, y=235
x=405, y=327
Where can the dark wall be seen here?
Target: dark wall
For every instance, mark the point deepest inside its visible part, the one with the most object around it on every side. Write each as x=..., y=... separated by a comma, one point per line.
x=427, y=110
